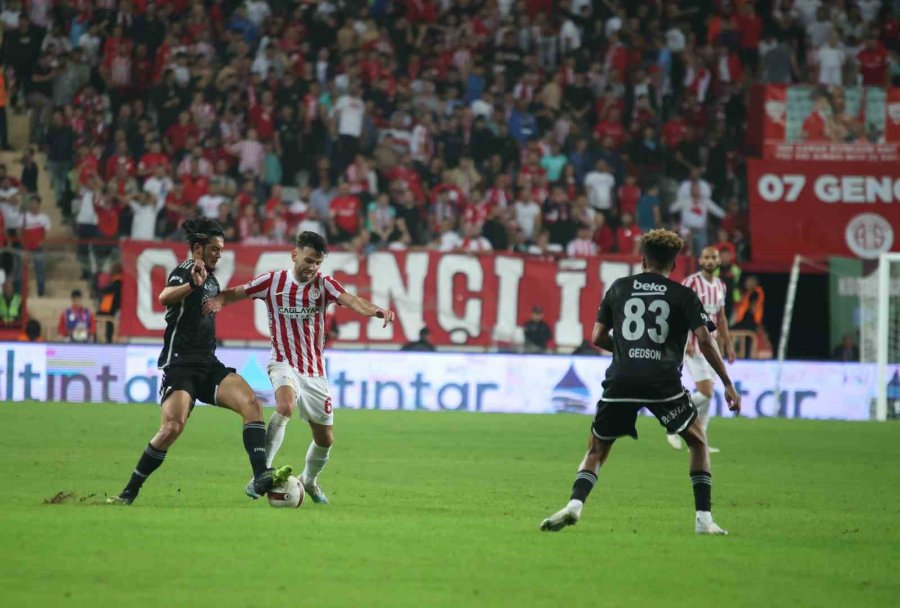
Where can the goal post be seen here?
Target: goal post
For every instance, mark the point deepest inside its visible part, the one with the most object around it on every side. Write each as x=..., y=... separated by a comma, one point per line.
x=887, y=349
x=875, y=284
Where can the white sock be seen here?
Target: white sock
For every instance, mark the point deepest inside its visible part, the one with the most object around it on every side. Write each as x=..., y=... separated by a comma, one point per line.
x=274, y=436
x=316, y=459
x=575, y=505
x=701, y=401
x=704, y=517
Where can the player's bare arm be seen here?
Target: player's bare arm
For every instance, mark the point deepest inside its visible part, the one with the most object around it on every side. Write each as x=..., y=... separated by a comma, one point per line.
x=172, y=295
x=725, y=335
x=705, y=343
x=600, y=337
x=365, y=308
x=229, y=296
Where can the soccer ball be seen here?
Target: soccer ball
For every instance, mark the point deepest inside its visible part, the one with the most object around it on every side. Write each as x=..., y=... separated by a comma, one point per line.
x=290, y=494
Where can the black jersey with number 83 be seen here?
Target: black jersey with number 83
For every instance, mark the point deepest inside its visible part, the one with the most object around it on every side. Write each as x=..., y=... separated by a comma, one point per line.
x=650, y=317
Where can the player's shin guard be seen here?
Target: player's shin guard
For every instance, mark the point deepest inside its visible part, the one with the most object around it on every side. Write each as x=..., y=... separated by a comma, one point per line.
x=275, y=436
x=701, y=402
x=255, y=444
x=316, y=459
x=149, y=461
x=702, y=482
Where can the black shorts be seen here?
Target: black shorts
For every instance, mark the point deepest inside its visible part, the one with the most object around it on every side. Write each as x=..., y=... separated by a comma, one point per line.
x=200, y=380
x=616, y=418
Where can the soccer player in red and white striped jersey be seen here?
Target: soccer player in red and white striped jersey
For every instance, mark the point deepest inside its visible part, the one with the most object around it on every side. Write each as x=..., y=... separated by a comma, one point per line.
x=296, y=300
x=711, y=291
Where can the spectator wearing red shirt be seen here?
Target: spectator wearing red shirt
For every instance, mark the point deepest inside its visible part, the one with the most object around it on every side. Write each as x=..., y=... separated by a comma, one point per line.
x=35, y=226
x=749, y=27
x=476, y=212
x=177, y=134
x=674, y=131
x=195, y=186
x=108, y=209
x=405, y=173
x=121, y=157
x=345, y=210
x=628, y=235
x=88, y=165
x=873, y=63
x=151, y=159
x=262, y=117
x=532, y=168
x=178, y=209
x=612, y=127
x=603, y=234
x=113, y=43
x=815, y=125
x=142, y=70
x=628, y=196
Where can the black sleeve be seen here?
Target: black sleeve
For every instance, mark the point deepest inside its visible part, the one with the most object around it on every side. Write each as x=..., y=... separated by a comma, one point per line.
x=694, y=313
x=605, y=313
x=179, y=276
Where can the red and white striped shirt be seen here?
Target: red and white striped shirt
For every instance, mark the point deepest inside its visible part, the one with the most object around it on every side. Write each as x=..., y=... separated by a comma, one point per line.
x=711, y=294
x=296, y=317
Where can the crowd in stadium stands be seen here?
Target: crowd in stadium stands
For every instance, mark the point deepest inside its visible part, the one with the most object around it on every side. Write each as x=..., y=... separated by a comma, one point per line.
x=565, y=127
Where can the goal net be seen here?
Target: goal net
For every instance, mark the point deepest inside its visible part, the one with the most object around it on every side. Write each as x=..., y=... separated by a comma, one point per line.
x=879, y=319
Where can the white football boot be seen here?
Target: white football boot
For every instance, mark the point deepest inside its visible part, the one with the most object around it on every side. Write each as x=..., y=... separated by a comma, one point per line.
x=704, y=524
x=567, y=516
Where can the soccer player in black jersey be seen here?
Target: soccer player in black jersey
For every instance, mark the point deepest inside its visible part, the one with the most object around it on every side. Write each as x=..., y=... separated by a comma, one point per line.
x=191, y=370
x=645, y=320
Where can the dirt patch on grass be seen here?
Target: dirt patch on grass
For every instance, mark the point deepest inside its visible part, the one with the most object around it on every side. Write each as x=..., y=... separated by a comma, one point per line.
x=61, y=498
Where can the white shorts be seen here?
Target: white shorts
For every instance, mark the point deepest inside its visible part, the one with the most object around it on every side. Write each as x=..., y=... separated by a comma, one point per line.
x=313, y=399
x=698, y=367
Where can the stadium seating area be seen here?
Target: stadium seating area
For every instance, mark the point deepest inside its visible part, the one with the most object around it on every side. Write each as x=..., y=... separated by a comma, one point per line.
x=548, y=128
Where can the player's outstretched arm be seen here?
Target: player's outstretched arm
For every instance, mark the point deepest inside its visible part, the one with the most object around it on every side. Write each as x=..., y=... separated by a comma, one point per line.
x=705, y=343
x=600, y=337
x=365, y=308
x=722, y=326
x=172, y=294
x=229, y=296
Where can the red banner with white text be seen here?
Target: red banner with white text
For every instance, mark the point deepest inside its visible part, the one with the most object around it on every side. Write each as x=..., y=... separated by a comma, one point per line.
x=464, y=299
x=822, y=208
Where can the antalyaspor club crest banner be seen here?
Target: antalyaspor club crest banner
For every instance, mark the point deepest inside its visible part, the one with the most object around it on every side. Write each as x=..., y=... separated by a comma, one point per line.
x=823, y=208
x=464, y=299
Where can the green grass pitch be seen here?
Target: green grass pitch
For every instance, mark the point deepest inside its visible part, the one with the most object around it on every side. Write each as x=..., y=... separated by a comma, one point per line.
x=442, y=509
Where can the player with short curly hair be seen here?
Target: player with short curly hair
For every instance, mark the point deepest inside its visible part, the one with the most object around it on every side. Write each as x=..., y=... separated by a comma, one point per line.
x=644, y=320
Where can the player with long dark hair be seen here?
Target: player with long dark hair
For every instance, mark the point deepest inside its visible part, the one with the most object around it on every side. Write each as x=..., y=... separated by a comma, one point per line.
x=191, y=370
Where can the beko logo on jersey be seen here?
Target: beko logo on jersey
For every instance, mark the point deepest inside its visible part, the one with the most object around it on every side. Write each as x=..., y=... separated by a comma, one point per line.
x=654, y=287
x=298, y=312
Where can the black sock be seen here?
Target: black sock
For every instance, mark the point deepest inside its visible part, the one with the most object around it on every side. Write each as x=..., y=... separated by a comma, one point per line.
x=584, y=483
x=150, y=460
x=702, y=482
x=255, y=444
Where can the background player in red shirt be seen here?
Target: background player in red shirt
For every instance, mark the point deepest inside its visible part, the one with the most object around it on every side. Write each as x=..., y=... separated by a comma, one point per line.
x=297, y=300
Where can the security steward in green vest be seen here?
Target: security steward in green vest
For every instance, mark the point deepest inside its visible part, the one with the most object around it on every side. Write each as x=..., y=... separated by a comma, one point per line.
x=10, y=304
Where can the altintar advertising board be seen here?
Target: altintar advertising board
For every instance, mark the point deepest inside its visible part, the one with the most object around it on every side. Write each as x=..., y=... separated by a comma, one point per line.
x=410, y=381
